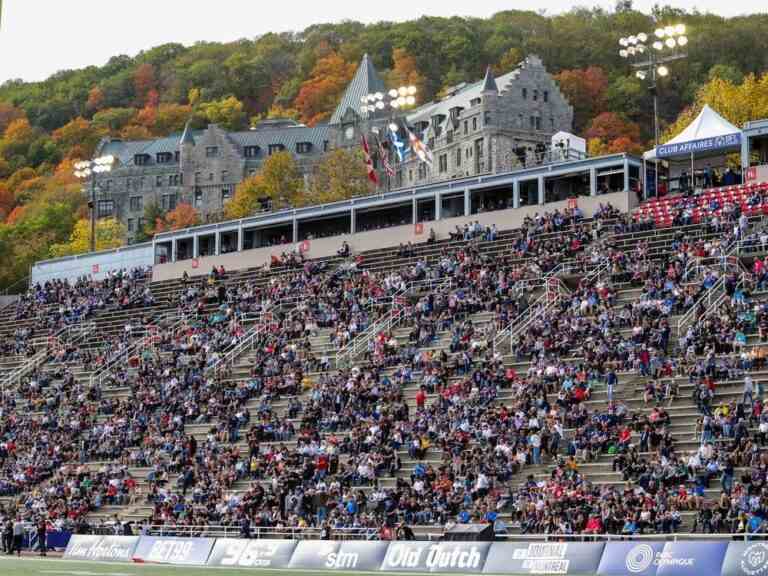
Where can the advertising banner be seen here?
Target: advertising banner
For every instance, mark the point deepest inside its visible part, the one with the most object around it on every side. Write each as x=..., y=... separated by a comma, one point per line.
x=543, y=558
x=460, y=557
x=702, y=558
x=620, y=558
x=172, y=550
x=701, y=145
x=348, y=555
x=104, y=548
x=746, y=559
x=252, y=553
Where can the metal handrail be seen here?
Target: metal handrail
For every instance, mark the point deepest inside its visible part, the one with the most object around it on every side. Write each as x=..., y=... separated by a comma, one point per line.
x=79, y=331
x=359, y=344
x=97, y=378
x=246, y=343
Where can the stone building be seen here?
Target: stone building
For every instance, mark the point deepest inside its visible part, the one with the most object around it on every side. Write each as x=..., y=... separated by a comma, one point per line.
x=495, y=125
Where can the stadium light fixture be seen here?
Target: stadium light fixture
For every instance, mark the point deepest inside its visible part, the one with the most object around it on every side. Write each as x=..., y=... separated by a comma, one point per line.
x=86, y=169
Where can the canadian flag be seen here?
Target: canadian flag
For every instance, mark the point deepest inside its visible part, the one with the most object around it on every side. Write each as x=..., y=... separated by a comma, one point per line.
x=372, y=176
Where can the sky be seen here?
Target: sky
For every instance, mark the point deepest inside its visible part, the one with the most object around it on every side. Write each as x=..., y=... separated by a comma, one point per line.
x=41, y=37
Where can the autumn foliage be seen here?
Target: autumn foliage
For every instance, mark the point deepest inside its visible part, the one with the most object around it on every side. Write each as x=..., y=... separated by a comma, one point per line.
x=325, y=86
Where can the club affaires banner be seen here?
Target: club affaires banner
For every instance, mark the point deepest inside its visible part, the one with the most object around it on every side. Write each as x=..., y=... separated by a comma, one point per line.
x=624, y=558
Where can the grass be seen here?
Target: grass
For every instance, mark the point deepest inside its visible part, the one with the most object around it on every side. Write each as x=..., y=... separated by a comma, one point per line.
x=29, y=566
x=58, y=567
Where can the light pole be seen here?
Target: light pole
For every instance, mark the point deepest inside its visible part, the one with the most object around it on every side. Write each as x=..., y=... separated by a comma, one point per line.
x=385, y=105
x=649, y=57
x=88, y=169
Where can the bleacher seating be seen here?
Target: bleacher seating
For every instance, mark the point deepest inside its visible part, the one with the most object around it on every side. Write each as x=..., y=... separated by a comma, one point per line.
x=480, y=394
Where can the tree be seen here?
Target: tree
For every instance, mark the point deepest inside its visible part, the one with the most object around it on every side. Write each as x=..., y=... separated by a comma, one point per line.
x=341, y=174
x=183, y=216
x=80, y=137
x=586, y=90
x=8, y=114
x=405, y=71
x=114, y=119
x=144, y=83
x=95, y=99
x=320, y=94
x=283, y=183
x=737, y=103
x=509, y=61
x=228, y=113
x=247, y=196
x=726, y=72
x=109, y=234
x=152, y=215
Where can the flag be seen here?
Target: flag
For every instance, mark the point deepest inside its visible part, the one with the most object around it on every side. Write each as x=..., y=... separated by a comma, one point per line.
x=399, y=145
x=419, y=148
x=385, y=158
x=369, y=162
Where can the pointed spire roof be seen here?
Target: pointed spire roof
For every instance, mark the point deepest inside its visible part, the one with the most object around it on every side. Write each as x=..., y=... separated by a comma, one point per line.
x=489, y=82
x=366, y=81
x=186, y=137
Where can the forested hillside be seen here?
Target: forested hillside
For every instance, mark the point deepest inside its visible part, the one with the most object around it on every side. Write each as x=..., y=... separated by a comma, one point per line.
x=45, y=126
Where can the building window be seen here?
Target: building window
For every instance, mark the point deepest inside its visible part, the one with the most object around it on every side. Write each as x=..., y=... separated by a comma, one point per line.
x=532, y=121
x=458, y=158
x=210, y=176
x=198, y=198
x=136, y=203
x=106, y=208
x=168, y=202
x=519, y=120
x=466, y=127
x=224, y=175
x=487, y=118
x=174, y=179
x=525, y=93
x=131, y=225
x=159, y=181
x=410, y=175
x=251, y=151
x=443, y=163
x=422, y=171
x=449, y=137
x=474, y=123
x=552, y=124
x=546, y=95
x=479, y=147
x=274, y=148
x=176, y=156
x=108, y=185
x=211, y=151
x=538, y=122
x=141, y=159
x=535, y=95
x=140, y=224
x=326, y=145
x=303, y=147
x=164, y=157
x=226, y=194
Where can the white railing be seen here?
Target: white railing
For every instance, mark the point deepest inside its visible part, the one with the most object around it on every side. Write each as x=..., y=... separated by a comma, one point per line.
x=246, y=343
x=359, y=344
x=235, y=531
x=69, y=334
x=145, y=342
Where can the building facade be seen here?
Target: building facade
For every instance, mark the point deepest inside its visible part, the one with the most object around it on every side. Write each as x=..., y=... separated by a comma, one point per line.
x=496, y=125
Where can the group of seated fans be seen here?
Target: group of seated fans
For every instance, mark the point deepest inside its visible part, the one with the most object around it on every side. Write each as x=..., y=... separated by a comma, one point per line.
x=484, y=392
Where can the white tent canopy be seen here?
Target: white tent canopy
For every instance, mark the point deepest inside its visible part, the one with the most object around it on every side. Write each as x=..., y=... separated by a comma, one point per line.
x=708, y=131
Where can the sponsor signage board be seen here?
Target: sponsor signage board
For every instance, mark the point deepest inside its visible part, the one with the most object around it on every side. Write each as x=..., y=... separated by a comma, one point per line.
x=746, y=559
x=701, y=145
x=103, y=548
x=703, y=558
x=443, y=557
x=347, y=555
x=252, y=553
x=543, y=558
x=173, y=550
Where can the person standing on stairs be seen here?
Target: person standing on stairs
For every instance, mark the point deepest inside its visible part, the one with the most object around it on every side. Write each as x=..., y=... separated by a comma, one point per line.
x=611, y=381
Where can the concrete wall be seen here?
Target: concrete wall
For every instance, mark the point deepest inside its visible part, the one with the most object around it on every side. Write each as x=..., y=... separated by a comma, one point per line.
x=73, y=267
x=386, y=238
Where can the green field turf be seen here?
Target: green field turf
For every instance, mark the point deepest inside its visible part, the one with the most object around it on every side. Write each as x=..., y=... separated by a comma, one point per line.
x=58, y=567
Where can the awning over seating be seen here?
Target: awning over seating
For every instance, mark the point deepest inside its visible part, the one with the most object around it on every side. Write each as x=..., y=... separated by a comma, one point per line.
x=709, y=132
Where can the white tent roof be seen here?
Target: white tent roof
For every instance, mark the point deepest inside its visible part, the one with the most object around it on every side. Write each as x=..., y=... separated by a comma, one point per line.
x=708, y=124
